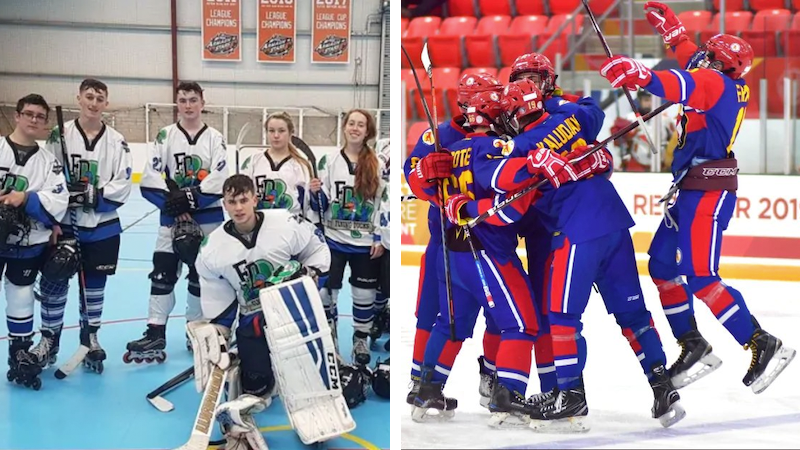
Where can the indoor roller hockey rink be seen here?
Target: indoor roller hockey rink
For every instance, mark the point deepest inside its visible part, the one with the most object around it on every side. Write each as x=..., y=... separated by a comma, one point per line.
x=88, y=411
x=720, y=411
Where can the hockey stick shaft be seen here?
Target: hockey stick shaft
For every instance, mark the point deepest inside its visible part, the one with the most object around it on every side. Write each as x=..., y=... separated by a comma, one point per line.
x=82, y=351
x=173, y=382
x=303, y=147
x=239, y=139
x=519, y=194
x=201, y=430
x=442, y=217
x=624, y=90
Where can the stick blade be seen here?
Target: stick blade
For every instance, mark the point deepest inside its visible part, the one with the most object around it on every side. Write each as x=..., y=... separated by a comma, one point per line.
x=161, y=404
x=72, y=363
x=426, y=59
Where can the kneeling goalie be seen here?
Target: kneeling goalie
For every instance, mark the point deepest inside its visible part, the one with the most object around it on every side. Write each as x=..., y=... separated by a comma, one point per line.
x=261, y=264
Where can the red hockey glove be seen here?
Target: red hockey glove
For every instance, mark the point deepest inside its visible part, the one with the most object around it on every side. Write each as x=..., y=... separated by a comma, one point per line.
x=434, y=166
x=666, y=23
x=452, y=208
x=597, y=162
x=551, y=165
x=627, y=72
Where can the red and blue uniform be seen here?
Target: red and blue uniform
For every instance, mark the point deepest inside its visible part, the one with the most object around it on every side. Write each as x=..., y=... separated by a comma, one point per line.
x=713, y=109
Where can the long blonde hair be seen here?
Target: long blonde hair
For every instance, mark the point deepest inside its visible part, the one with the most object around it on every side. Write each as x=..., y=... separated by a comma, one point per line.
x=367, y=177
x=295, y=154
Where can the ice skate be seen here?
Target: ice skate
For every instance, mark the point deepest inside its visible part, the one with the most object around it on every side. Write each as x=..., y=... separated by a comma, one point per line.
x=430, y=404
x=486, y=383
x=666, y=400
x=46, y=351
x=509, y=408
x=23, y=366
x=412, y=394
x=94, y=359
x=695, y=361
x=769, y=359
x=563, y=411
x=149, y=348
x=361, y=353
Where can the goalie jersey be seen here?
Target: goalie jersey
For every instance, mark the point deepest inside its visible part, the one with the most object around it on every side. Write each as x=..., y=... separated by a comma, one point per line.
x=234, y=268
x=105, y=163
x=350, y=221
x=282, y=185
x=40, y=175
x=190, y=163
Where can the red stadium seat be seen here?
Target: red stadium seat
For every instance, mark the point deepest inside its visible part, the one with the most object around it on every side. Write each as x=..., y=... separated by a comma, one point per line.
x=795, y=22
x=504, y=74
x=413, y=46
x=796, y=5
x=600, y=6
x=415, y=131
x=575, y=28
x=730, y=5
x=445, y=79
x=790, y=42
x=695, y=22
x=412, y=100
x=532, y=7
x=457, y=8
x=494, y=7
x=563, y=6
x=480, y=45
x=423, y=26
x=766, y=25
x=403, y=26
x=490, y=70
x=445, y=47
x=759, y=5
x=520, y=37
x=735, y=22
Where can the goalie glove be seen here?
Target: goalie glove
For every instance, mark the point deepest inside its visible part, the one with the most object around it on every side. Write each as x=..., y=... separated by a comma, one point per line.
x=237, y=423
x=82, y=195
x=210, y=348
x=182, y=201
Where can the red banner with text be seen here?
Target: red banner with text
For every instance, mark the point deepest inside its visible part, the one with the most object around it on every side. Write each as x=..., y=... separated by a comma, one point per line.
x=222, y=30
x=330, y=33
x=277, y=30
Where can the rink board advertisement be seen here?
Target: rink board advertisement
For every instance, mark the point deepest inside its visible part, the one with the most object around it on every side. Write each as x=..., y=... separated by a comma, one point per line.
x=762, y=240
x=222, y=30
x=330, y=31
x=277, y=31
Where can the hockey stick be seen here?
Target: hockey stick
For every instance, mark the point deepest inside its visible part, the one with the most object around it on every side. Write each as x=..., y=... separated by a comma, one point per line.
x=442, y=218
x=201, y=430
x=303, y=147
x=75, y=360
x=519, y=194
x=239, y=139
x=130, y=225
x=627, y=93
x=159, y=402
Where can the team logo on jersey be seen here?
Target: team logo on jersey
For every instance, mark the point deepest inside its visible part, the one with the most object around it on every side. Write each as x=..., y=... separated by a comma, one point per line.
x=58, y=189
x=83, y=170
x=11, y=181
x=322, y=163
x=221, y=165
x=427, y=137
x=54, y=137
x=161, y=136
x=277, y=45
x=189, y=170
x=505, y=147
x=351, y=207
x=253, y=277
x=272, y=194
x=331, y=47
x=678, y=256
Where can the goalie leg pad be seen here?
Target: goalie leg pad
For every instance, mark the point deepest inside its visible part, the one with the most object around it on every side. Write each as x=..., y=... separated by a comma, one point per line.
x=304, y=359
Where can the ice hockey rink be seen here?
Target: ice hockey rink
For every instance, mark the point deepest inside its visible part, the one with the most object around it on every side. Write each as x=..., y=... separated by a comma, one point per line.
x=109, y=411
x=720, y=411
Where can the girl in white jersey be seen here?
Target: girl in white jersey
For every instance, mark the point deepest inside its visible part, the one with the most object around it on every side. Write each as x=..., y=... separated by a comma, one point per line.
x=352, y=189
x=280, y=174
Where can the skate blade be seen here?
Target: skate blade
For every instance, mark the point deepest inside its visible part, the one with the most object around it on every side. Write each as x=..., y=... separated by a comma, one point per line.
x=779, y=361
x=675, y=414
x=161, y=404
x=577, y=424
x=709, y=362
x=508, y=421
x=422, y=415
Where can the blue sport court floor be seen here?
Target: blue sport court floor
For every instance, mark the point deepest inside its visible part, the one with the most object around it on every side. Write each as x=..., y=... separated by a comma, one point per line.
x=109, y=411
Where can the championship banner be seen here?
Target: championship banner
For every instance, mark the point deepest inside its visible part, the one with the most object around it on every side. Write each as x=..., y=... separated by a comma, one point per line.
x=221, y=30
x=277, y=31
x=330, y=34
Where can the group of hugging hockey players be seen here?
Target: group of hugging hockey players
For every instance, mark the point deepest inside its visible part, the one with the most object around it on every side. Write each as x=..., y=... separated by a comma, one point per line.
x=262, y=286
x=509, y=139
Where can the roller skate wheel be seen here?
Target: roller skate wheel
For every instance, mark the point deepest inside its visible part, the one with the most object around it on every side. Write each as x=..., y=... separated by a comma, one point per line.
x=36, y=384
x=139, y=360
x=161, y=359
x=126, y=358
x=9, y=376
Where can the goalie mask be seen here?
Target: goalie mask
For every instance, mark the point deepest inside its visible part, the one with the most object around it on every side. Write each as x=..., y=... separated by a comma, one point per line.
x=355, y=382
x=186, y=239
x=63, y=261
x=12, y=223
x=380, y=379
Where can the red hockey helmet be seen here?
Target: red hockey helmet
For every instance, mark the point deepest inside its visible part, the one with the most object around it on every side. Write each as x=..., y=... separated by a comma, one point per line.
x=535, y=63
x=484, y=109
x=619, y=124
x=472, y=83
x=520, y=99
x=729, y=54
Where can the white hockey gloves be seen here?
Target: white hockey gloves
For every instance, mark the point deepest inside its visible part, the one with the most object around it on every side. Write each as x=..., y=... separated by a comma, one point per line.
x=236, y=419
x=210, y=347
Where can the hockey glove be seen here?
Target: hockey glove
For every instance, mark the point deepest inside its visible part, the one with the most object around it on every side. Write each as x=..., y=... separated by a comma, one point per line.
x=666, y=23
x=210, y=347
x=453, y=207
x=628, y=72
x=181, y=201
x=595, y=163
x=434, y=166
x=236, y=420
x=550, y=165
x=82, y=195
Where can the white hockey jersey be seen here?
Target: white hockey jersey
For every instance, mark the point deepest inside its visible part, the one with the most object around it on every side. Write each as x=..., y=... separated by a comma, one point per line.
x=234, y=269
x=42, y=176
x=104, y=162
x=349, y=219
x=190, y=162
x=278, y=185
